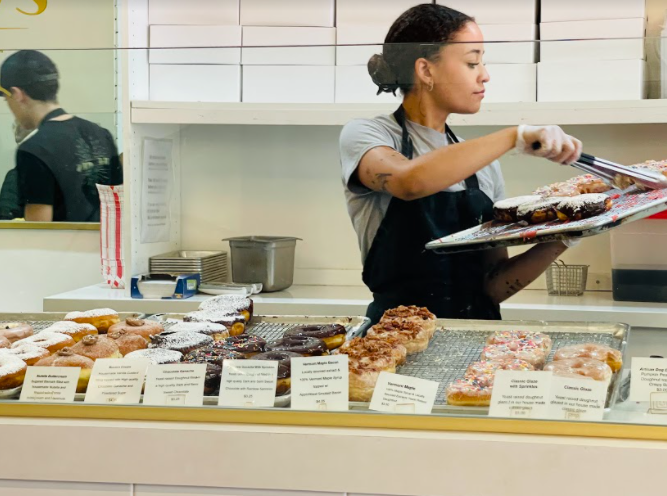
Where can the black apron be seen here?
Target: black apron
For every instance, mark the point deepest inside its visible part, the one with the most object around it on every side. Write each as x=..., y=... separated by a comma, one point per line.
x=400, y=271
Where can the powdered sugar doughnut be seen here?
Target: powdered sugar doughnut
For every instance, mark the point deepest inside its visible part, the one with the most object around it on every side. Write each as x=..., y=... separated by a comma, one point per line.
x=183, y=342
x=583, y=207
x=217, y=331
x=505, y=210
x=101, y=318
x=29, y=353
x=235, y=323
x=12, y=371
x=157, y=356
x=538, y=212
x=4, y=343
x=73, y=329
x=52, y=341
x=229, y=305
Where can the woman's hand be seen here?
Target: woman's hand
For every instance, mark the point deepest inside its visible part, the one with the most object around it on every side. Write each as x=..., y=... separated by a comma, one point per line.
x=548, y=142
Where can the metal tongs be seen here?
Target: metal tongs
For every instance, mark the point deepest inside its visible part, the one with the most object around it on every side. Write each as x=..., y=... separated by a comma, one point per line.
x=617, y=174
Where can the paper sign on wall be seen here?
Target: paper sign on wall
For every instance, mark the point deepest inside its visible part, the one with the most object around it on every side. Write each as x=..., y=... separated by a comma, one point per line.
x=396, y=393
x=50, y=384
x=248, y=383
x=177, y=384
x=156, y=190
x=116, y=381
x=320, y=383
x=521, y=394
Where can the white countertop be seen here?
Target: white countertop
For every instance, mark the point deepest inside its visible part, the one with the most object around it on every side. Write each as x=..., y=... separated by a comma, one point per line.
x=353, y=300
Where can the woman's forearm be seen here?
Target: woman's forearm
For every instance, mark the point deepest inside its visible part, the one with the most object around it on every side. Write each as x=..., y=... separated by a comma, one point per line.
x=512, y=275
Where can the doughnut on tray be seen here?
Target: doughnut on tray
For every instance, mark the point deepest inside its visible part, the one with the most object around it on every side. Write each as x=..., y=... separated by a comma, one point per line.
x=629, y=205
x=459, y=343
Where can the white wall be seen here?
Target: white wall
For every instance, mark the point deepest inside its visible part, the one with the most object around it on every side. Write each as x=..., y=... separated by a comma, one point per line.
x=240, y=180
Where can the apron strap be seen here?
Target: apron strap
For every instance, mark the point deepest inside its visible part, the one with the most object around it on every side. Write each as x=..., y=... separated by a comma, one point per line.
x=407, y=146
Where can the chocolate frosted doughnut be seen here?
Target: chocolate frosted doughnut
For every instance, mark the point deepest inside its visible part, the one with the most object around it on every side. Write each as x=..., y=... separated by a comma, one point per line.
x=229, y=305
x=537, y=212
x=157, y=356
x=183, y=342
x=246, y=344
x=234, y=324
x=213, y=356
x=505, y=210
x=216, y=331
x=303, y=345
x=284, y=359
x=333, y=335
x=583, y=207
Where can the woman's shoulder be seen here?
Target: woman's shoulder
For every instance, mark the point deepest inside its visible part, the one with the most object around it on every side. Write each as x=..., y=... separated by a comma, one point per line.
x=383, y=126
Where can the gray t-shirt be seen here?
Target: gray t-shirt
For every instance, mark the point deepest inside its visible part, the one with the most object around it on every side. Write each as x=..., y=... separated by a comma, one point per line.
x=366, y=207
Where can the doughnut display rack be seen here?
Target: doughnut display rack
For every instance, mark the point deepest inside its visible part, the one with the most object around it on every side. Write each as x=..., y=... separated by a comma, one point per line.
x=629, y=205
x=459, y=343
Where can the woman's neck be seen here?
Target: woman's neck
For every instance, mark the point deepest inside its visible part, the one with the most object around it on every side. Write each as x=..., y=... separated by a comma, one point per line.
x=421, y=109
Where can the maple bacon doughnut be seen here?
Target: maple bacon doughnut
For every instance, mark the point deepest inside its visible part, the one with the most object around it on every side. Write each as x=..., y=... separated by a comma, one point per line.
x=413, y=336
x=421, y=315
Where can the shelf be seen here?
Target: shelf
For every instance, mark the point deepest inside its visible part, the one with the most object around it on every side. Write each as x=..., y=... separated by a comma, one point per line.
x=337, y=114
x=353, y=300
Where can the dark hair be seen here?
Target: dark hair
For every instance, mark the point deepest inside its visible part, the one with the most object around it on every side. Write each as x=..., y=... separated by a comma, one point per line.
x=417, y=33
x=33, y=72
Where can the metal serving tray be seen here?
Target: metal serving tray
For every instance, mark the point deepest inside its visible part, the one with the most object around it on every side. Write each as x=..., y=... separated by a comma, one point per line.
x=629, y=205
x=458, y=343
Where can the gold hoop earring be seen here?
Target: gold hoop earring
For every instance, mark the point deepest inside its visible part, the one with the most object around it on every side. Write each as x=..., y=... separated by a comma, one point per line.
x=430, y=86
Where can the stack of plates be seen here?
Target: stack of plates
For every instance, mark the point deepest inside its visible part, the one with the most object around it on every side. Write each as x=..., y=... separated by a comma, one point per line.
x=212, y=265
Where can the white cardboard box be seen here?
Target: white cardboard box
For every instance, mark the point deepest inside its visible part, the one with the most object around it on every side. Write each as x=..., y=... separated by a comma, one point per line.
x=365, y=12
x=219, y=12
x=319, y=13
x=497, y=11
x=502, y=43
x=288, y=46
x=354, y=85
x=589, y=10
x=599, y=46
x=195, y=83
x=591, y=80
x=181, y=37
x=369, y=37
x=288, y=84
x=511, y=83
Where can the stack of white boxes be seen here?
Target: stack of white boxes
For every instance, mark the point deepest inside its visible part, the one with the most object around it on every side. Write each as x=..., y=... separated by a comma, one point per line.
x=608, y=65
x=179, y=73
x=364, y=23
x=288, y=53
x=510, y=33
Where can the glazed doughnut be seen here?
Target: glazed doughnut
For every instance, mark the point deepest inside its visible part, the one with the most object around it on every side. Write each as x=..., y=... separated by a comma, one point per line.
x=29, y=353
x=468, y=392
x=67, y=358
x=333, y=335
x=610, y=356
x=583, y=207
x=485, y=371
x=588, y=184
x=217, y=331
x=229, y=305
x=534, y=339
x=519, y=350
x=143, y=328
x=73, y=329
x=303, y=345
x=587, y=367
x=505, y=210
x=235, y=324
x=15, y=331
x=4, y=343
x=96, y=347
x=52, y=341
x=558, y=189
x=126, y=342
x=538, y=212
x=362, y=379
x=284, y=359
x=101, y=318
x=421, y=315
x=157, y=356
x=183, y=342
x=362, y=347
x=12, y=371
x=245, y=344
x=412, y=334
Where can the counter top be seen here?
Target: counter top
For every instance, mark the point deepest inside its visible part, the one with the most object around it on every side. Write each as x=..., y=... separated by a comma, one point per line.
x=353, y=300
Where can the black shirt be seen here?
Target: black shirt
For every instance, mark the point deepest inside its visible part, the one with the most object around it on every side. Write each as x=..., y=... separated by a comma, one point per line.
x=62, y=163
x=9, y=197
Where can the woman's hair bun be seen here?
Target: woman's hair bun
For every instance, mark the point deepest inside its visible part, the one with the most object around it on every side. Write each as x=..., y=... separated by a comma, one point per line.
x=383, y=76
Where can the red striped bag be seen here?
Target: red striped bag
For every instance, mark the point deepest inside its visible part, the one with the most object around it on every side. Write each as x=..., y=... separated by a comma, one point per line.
x=111, y=235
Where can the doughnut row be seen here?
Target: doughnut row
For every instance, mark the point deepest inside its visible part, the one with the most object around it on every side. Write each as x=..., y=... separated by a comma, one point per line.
x=537, y=210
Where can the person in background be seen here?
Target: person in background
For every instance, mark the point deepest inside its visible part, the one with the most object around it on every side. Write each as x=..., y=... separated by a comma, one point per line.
x=59, y=166
x=10, y=206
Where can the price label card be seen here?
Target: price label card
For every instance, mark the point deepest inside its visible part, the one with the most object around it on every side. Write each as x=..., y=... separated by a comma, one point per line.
x=396, y=393
x=649, y=375
x=320, y=383
x=116, y=381
x=50, y=384
x=248, y=383
x=577, y=399
x=178, y=384
x=521, y=394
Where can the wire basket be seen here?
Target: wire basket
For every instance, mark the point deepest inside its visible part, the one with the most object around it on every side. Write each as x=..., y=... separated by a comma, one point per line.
x=566, y=280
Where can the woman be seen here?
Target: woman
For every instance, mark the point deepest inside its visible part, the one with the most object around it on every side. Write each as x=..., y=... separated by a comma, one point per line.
x=408, y=179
